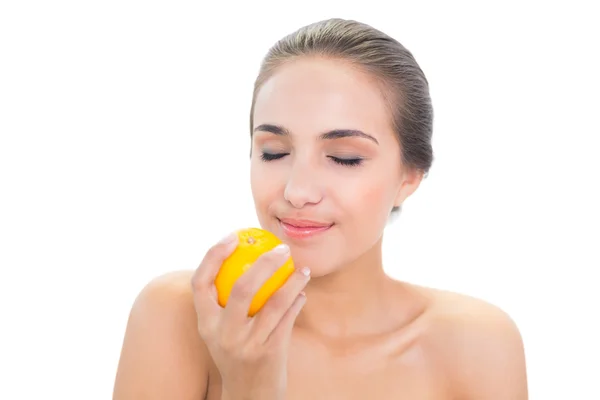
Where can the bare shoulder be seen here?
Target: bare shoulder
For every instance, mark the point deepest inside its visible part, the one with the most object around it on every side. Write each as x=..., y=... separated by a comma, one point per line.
x=162, y=354
x=479, y=345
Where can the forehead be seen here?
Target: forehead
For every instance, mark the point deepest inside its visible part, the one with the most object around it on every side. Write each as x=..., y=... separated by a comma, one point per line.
x=312, y=95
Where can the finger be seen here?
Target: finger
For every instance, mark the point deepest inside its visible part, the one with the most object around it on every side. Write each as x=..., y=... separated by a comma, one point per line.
x=280, y=336
x=277, y=306
x=247, y=285
x=204, y=277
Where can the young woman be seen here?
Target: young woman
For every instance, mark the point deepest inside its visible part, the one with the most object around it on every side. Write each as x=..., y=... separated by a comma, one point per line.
x=341, y=124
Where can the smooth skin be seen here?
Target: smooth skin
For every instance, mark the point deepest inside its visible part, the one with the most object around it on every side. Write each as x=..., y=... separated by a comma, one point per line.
x=356, y=333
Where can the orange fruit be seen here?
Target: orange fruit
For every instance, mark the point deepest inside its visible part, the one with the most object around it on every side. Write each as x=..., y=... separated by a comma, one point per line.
x=252, y=243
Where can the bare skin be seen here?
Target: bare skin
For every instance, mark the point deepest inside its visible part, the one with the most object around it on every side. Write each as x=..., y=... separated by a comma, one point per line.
x=449, y=346
x=360, y=334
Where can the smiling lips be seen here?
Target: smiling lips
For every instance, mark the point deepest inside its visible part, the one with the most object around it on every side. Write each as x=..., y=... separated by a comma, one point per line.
x=300, y=229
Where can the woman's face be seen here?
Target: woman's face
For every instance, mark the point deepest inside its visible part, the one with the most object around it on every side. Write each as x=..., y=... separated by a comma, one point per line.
x=325, y=167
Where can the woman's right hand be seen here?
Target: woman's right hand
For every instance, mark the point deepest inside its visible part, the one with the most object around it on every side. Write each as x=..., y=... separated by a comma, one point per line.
x=250, y=353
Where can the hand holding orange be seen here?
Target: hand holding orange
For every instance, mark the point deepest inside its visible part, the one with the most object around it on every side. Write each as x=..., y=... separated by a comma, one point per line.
x=248, y=268
x=252, y=243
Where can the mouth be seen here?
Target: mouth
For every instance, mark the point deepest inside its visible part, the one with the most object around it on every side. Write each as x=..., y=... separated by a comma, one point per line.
x=301, y=229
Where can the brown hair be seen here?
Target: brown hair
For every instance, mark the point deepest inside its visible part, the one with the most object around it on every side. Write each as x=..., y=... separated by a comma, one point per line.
x=402, y=81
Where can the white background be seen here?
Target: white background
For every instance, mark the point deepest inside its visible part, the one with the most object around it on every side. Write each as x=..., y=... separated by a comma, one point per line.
x=124, y=154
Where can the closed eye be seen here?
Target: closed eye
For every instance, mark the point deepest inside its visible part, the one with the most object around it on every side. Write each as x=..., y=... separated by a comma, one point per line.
x=347, y=162
x=272, y=156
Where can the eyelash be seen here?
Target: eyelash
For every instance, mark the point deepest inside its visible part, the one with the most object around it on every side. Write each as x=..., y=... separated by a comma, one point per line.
x=347, y=162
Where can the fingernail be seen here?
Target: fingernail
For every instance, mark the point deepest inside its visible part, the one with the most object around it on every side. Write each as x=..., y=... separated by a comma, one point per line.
x=229, y=238
x=305, y=271
x=282, y=249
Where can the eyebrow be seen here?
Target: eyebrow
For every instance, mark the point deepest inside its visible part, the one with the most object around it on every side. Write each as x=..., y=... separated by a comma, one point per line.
x=333, y=134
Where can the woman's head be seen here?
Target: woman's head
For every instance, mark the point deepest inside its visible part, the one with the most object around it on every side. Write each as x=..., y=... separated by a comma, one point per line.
x=341, y=125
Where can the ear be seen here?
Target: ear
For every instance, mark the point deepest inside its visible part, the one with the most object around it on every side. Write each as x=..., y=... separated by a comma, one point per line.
x=410, y=181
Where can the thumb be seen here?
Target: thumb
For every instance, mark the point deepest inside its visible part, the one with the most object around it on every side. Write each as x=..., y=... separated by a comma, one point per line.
x=204, y=276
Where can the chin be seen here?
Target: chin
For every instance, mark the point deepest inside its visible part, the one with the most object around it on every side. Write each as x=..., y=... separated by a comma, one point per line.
x=320, y=263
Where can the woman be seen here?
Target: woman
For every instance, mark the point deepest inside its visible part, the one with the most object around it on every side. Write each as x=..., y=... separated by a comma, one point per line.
x=341, y=124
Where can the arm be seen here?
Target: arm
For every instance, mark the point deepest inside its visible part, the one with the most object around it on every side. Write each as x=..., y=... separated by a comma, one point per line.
x=490, y=358
x=163, y=356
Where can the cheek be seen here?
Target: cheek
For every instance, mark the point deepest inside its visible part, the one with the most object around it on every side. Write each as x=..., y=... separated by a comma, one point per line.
x=376, y=196
x=264, y=190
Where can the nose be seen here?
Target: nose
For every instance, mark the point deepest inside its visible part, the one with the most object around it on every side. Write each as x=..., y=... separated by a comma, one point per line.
x=302, y=187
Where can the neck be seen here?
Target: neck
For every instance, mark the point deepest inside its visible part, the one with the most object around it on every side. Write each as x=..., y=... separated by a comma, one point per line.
x=355, y=300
